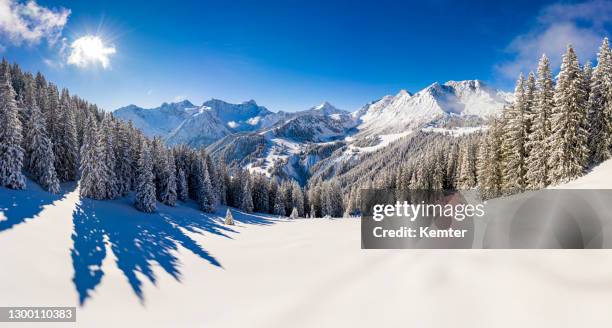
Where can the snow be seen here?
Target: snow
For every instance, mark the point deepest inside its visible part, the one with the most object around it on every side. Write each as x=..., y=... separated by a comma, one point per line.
x=182, y=268
x=455, y=132
x=299, y=273
x=600, y=177
x=385, y=140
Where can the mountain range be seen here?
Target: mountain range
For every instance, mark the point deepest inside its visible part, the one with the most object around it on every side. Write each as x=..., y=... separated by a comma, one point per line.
x=289, y=144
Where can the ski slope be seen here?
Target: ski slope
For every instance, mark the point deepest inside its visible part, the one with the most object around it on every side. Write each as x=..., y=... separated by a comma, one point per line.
x=182, y=268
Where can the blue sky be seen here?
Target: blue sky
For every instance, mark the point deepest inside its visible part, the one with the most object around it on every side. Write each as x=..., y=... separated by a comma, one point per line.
x=291, y=55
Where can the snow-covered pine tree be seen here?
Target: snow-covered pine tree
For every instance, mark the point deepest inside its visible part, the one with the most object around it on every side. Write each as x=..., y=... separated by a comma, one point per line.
x=246, y=203
x=313, y=212
x=181, y=186
x=279, y=204
x=41, y=93
x=294, y=214
x=28, y=101
x=107, y=156
x=568, y=141
x=91, y=183
x=515, y=168
x=260, y=193
x=11, y=153
x=229, y=218
x=52, y=116
x=587, y=76
x=468, y=170
x=123, y=157
x=530, y=100
x=490, y=174
x=168, y=194
x=537, y=161
x=145, y=187
x=38, y=147
x=66, y=143
x=272, y=193
x=203, y=188
x=215, y=182
x=600, y=107
x=297, y=197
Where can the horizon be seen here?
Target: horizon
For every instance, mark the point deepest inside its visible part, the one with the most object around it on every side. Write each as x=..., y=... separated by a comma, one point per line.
x=288, y=57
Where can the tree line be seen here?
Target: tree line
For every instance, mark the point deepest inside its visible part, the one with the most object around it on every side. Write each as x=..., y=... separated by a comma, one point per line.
x=554, y=131
x=53, y=137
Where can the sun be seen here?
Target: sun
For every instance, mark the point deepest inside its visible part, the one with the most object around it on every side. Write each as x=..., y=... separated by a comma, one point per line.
x=90, y=50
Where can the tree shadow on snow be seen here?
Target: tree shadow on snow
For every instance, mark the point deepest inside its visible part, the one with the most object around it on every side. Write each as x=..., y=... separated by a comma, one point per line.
x=138, y=240
x=20, y=206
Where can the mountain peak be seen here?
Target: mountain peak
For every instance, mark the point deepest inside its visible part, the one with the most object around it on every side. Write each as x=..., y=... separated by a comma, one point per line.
x=404, y=92
x=178, y=105
x=472, y=84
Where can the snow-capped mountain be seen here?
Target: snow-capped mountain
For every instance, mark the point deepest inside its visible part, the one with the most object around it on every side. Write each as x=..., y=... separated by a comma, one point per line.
x=406, y=111
x=159, y=121
x=246, y=116
x=289, y=144
x=185, y=123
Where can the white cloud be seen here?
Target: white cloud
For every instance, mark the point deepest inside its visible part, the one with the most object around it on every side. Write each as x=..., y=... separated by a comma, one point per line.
x=90, y=50
x=582, y=25
x=30, y=23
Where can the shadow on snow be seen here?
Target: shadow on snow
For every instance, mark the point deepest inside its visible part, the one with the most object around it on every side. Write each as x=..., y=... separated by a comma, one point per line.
x=19, y=206
x=138, y=240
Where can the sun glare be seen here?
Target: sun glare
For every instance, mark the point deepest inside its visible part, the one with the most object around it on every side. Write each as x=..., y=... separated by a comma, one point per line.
x=90, y=50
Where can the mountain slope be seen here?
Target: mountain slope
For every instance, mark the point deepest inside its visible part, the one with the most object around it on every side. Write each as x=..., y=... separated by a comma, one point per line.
x=405, y=111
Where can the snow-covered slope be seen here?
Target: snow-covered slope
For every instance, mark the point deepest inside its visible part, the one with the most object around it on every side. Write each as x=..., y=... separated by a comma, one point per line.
x=183, y=268
x=406, y=111
x=291, y=146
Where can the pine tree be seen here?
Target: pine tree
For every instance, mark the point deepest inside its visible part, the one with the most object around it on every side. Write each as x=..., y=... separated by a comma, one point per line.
x=568, y=141
x=65, y=143
x=181, y=185
x=106, y=151
x=202, y=187
x=123, y=157
x=52, y=116
x=528, y=115
x=38, y=148
x=294, y=214
x=246, y=202
x=600, y=107
x=467, y=172
x=490, y=173
x=537, y=161
x=168, y=195
x=145, y=187
x=297, y=198
x=229, y=218
x=11, y=153
x=516, y=133
x=91, y=183
x=279, y=204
